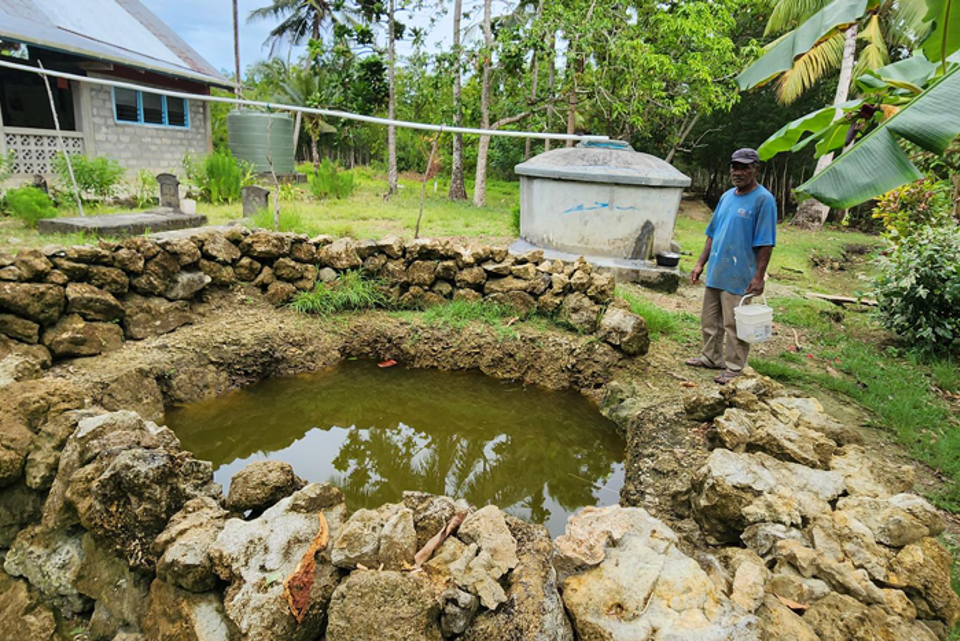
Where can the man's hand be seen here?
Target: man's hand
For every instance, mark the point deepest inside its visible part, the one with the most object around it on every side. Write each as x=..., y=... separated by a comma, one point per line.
x=756, y=285
x=695, y=273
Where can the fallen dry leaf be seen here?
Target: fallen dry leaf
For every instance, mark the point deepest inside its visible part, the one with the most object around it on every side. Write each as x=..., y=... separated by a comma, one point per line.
x=688, y=384
x=793, y=605
x=431, y=546
x=297, y=586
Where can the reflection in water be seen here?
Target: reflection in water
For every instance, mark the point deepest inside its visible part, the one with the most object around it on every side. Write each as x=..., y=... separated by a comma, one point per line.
x=378, y=432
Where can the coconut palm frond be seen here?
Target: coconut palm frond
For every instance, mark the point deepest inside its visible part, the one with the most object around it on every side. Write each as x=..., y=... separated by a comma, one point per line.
x=787, y=14
x=874, y=55
x=823, y=57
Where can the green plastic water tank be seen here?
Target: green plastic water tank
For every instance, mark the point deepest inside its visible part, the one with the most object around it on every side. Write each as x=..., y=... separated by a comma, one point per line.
x=247, y=135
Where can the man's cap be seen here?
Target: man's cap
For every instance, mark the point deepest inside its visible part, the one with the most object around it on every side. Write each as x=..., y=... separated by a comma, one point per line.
x=746, y=156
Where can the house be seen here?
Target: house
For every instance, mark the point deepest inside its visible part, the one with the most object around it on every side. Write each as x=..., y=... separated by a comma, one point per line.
x=115, y=39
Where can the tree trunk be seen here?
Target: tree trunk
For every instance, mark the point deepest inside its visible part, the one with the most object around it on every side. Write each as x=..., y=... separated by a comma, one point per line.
x=314, y=152
x=551, y=81
x=480, y=189
x=685, y=130
x=458, y=189
x=572, y=114
x=236, y=51
x=534, y=72
x=812, y=213
x=392, y=108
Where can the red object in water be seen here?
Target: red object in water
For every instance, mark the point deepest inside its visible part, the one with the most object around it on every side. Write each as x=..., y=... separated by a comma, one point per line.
x=389, y=363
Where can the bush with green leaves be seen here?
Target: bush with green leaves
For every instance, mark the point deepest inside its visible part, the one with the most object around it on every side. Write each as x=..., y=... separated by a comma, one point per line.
x=29, y=204
x=351, y=291
x=908, y=209
x=218, y=177
x=918, y=291
x=100, y=177
x=327, y=181
x=6, y=165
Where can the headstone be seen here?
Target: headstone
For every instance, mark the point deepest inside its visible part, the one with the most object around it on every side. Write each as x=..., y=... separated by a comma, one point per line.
x=169, y=191
x=255, y=200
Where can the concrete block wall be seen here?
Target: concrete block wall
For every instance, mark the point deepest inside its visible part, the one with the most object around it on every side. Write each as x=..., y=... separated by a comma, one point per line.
x=136, y=147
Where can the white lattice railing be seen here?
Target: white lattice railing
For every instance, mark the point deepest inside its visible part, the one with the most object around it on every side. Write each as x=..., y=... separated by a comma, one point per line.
x=34, y=149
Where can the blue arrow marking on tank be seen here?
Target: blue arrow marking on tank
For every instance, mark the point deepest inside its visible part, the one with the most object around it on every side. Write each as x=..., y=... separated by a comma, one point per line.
x=579, y=208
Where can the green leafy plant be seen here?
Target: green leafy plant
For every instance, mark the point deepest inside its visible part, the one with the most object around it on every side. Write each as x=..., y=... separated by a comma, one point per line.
x=218, y=177
x=918, y=290
x=99, y=177
x=906, y=210
x=328, y=182
x=289, y=221
x=144, y=188
x=6, y=165
x=352, y=291
x=29, y=204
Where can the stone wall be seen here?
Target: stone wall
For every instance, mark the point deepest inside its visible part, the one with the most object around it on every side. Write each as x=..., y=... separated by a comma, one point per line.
x=65, y=302
x=158, y=149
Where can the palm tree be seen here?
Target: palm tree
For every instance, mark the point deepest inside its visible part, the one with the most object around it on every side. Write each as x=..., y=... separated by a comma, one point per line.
x=888, y=24
x=303, y=87
x=299, y=19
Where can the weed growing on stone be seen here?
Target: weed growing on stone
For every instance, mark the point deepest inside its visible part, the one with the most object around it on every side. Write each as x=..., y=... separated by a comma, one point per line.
x=352, y=291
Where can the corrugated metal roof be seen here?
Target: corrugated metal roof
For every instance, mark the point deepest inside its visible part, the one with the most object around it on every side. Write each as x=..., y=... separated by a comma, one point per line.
x=122, y=31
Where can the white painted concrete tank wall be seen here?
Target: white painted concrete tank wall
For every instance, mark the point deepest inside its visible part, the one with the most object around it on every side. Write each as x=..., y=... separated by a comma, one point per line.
x=598, y=200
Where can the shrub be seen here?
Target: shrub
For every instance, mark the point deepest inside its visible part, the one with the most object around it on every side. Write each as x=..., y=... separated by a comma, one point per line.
x=327, y=181
x=218, y=177
x=144, y=188
x=100, y=177
x=6, y=165
x=906, y=210
x=29, y=204
x=918, y=290
x=349, y=292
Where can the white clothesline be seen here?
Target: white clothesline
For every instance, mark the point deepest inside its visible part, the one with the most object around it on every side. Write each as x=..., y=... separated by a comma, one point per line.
x=306, y=110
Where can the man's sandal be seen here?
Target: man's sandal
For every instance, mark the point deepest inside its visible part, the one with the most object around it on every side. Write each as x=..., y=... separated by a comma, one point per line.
x=698, y=361
x=726, y=377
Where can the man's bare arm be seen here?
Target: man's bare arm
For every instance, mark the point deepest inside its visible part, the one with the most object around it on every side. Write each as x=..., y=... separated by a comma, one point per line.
x=763, y=259
x=704, y=257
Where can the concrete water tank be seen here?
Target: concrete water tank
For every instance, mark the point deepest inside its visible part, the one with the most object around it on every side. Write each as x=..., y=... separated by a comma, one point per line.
x=603, y=200
x=248, y=135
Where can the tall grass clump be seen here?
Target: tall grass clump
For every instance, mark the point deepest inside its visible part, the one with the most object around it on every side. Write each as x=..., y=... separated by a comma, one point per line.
x=29, y=204
x=290, y=220
x=327, y=181
x=219, y=177
x=352, y=291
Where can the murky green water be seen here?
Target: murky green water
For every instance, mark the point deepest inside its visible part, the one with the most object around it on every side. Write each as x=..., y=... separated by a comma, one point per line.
x=376, y=432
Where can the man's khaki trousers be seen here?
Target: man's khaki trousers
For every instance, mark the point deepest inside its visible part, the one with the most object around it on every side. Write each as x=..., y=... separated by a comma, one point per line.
x=717, y=322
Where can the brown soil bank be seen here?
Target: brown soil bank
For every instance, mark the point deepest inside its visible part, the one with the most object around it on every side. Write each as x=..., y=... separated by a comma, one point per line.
x=747, y=513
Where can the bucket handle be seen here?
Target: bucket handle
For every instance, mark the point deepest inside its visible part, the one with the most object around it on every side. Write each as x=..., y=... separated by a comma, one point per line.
x=751, y=296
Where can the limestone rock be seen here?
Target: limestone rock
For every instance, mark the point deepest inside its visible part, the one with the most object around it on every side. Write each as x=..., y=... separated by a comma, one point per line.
x=23, y=614
x=580, y=280
x=580, y=312
x=624, y=329
x=601, y=288
x=184, y=285
x=398, y=539
x=808, y=413
x=261, y=484
x=304, y=252
x=431, y=513
x=178, y=615
x=119, y=593
x=424, y=249
x=498, y=268
x=839, y=617
x=247, y=269
x=154, y=316
x=256, y=556
x=391, y=246
x=110, y=279
x=50, y=561
x=777, y=621
x=72, y=336
x=220, y=274
x=88, y=254
x=526, y=271
x=74, y=271
x=92, y=304
x=184, y=250
x=20, y=506
x=762, y=431
x=290, y=270
x=520, y=303
x=32, y=264
x=870, y=476
x=748, y=582
x=458, y=610
x=924, y=567
x=505, y=285
x=470, y=568
x=387, y=606
x=373, y=537
x=704, y=405
x=533, y=610
x=280, y=292
x=218, y=248
x=487, y=528
x=160, y=274
x=44, y=457
x=264, y=244
x=469, y=295
x=40, y=303
x=184, y=545
x=471, y=277
x=339, y=254
x=19, y=328
x=895, y=521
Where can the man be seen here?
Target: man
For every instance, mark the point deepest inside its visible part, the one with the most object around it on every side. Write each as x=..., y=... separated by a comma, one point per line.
x=740, y=238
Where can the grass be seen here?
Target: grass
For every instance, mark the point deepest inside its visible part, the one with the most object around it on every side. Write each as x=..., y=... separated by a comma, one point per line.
x=350, y=292
x=458, y=314
x=660, y=322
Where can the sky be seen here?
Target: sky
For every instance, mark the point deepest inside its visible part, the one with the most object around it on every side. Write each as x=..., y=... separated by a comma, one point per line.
x=207, y=26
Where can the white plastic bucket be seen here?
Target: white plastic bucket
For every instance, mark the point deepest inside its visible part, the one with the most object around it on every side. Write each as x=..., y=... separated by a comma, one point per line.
x=754, y=322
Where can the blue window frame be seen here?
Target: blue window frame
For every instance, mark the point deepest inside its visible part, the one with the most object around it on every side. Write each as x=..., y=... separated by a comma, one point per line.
x=132, y=107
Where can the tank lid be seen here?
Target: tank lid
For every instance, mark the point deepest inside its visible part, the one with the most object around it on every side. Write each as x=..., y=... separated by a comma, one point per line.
x=604, y=161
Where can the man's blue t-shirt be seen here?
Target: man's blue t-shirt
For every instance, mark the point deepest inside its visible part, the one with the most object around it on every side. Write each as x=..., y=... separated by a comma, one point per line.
x=740, y=225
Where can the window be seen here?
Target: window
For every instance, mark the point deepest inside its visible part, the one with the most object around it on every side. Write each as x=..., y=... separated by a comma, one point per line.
x=137, y=107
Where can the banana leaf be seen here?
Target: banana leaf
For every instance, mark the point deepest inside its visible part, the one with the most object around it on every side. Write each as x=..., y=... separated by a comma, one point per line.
x=876, y=164
x=836, y=15
x=787, y=137
x=944, y=39
x=916, y=70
